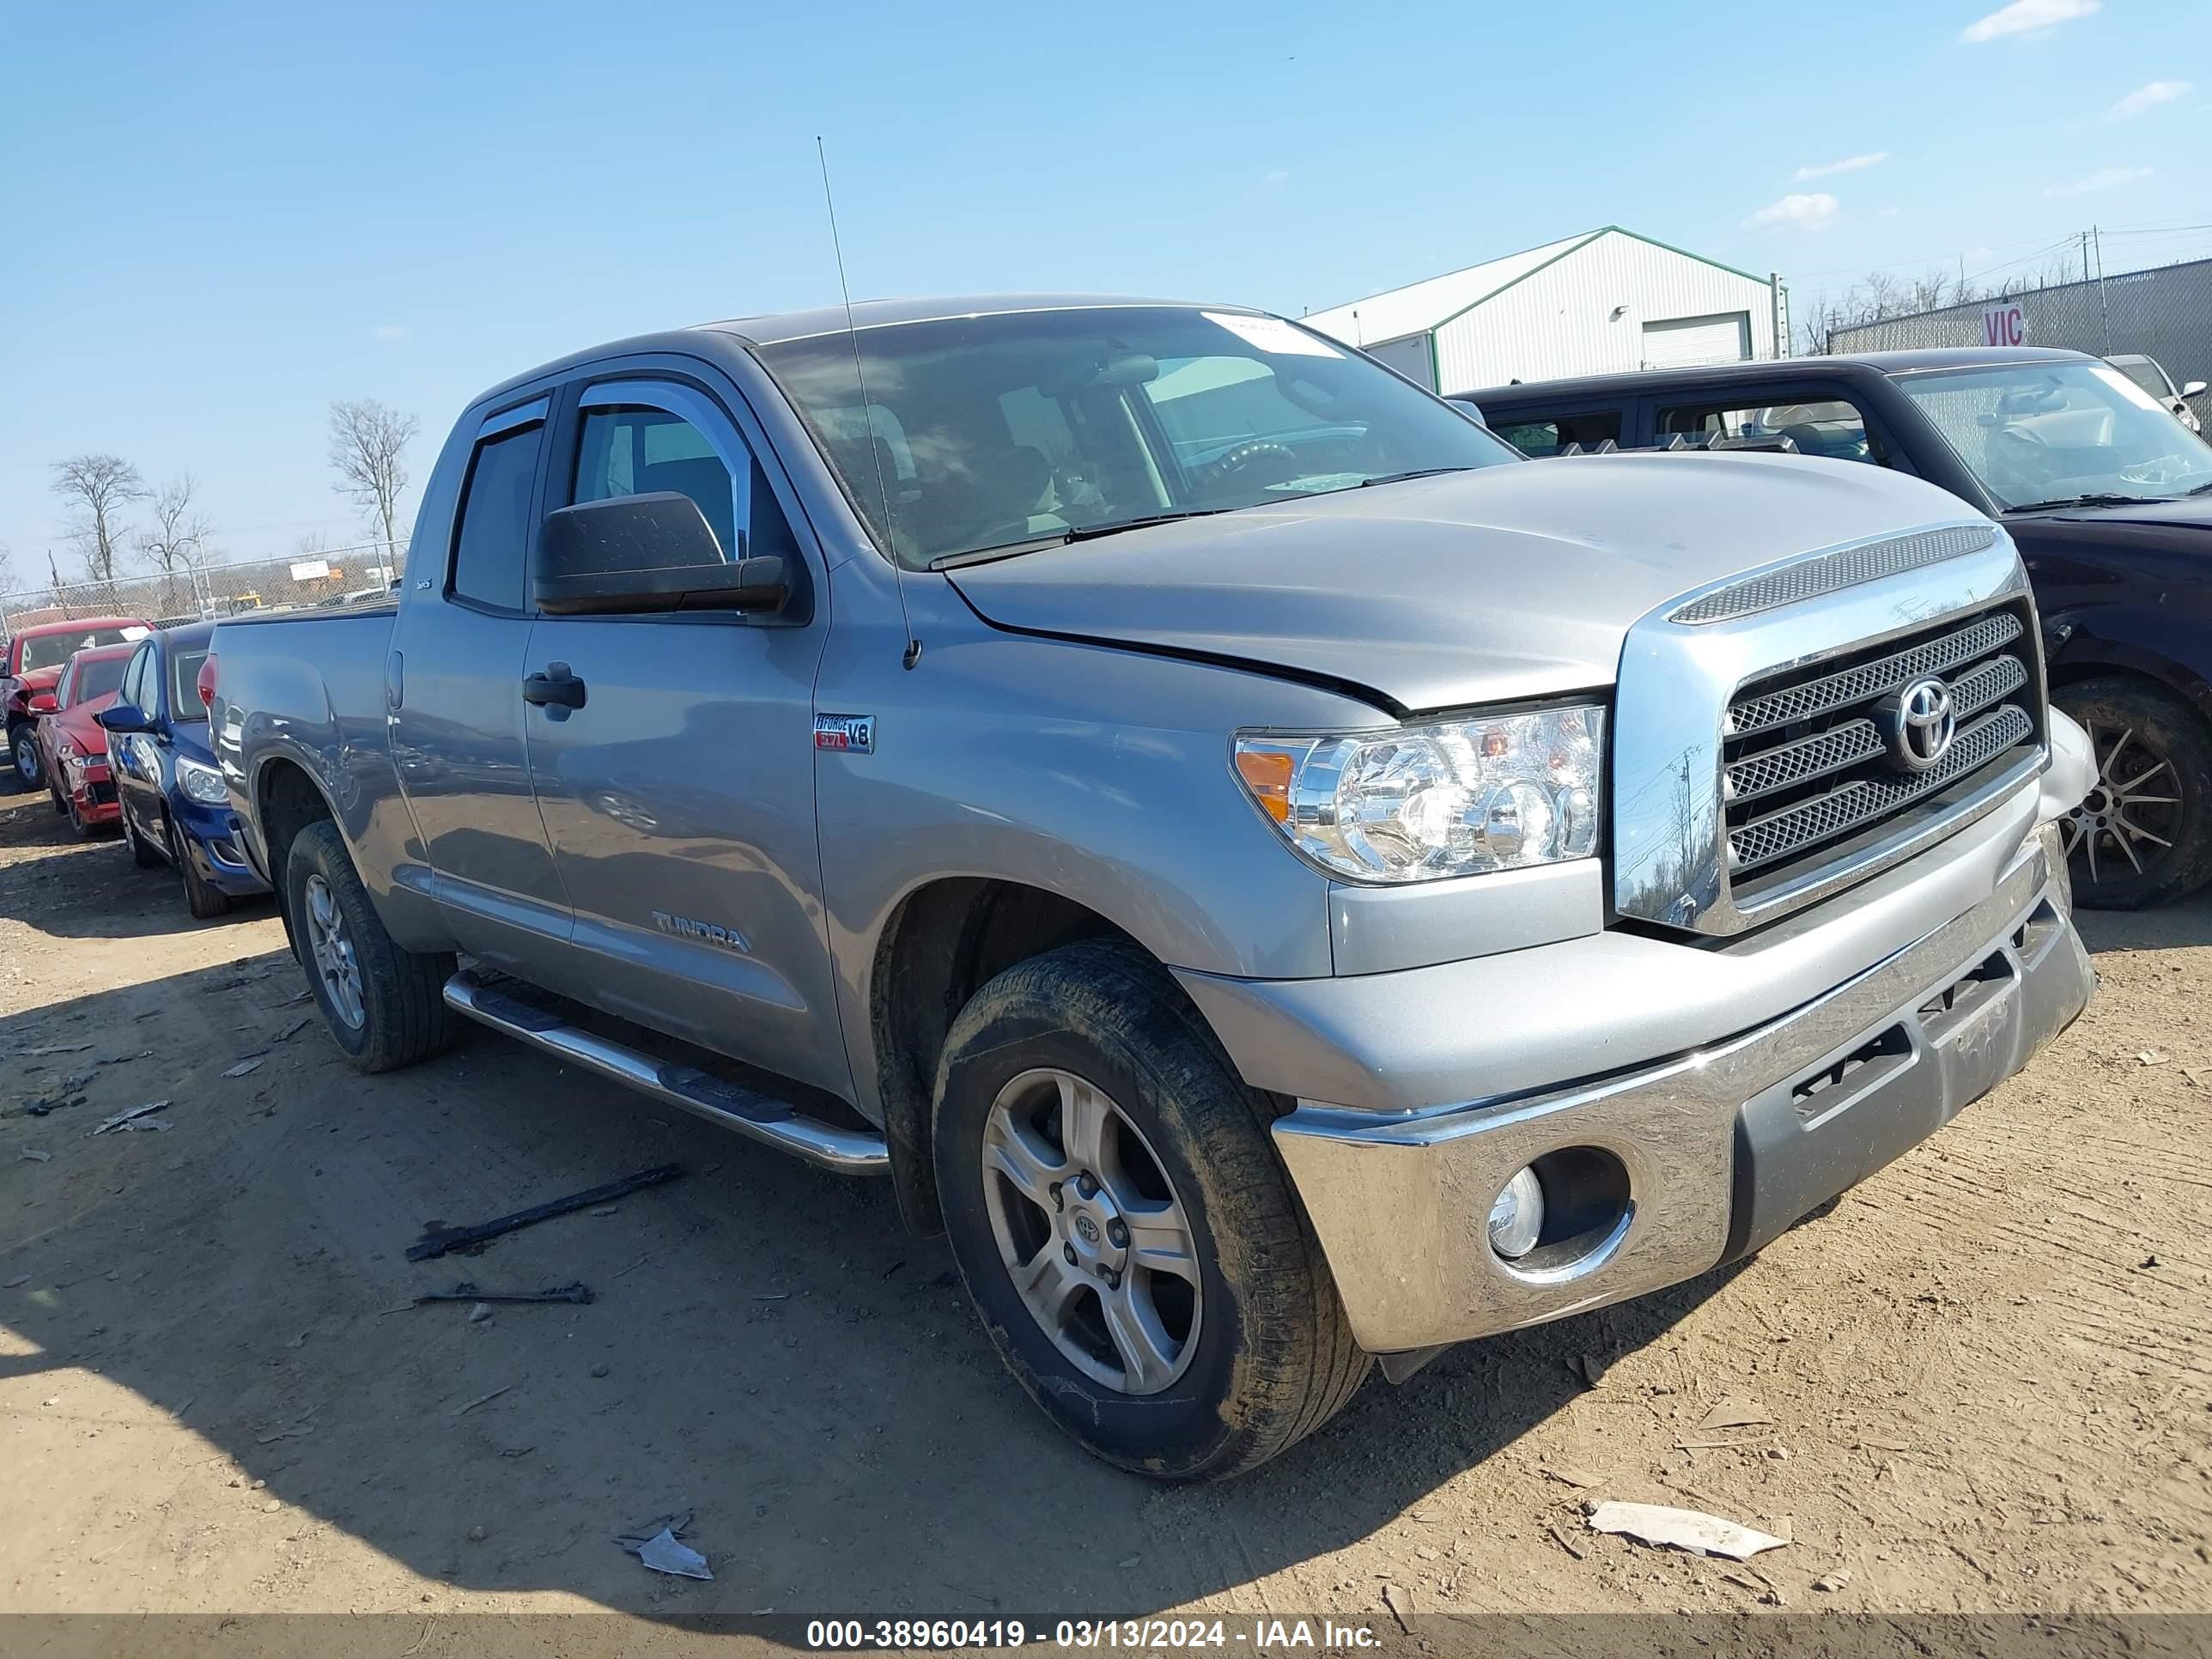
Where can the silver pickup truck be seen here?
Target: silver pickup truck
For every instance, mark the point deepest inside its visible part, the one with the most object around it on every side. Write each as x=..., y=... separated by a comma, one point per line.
x=1278, y=878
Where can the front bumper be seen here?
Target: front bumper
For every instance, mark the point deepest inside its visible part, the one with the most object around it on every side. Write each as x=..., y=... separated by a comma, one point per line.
x=1722, y=1147
x=213, y=843
x=91, y=790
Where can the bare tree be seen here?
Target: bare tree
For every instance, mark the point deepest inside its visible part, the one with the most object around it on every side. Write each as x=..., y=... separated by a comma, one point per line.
x=367, y=449
x=177, y=542
x=100, y=488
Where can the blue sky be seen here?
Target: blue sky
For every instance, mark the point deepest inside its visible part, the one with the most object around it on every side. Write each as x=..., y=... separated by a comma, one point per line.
x=221, y=216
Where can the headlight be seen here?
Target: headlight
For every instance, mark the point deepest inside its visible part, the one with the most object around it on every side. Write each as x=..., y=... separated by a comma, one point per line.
x=1453, y=798
x=202, y=783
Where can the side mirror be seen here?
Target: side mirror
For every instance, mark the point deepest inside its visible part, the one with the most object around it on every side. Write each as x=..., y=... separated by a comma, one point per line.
x=125, y=717
x=43, y=702
x=2192, y=389
x=648, y=554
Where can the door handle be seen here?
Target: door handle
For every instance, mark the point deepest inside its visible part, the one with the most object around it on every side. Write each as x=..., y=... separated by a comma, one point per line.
x=556, y=686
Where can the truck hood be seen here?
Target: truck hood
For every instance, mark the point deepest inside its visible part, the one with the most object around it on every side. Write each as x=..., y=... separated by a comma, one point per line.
x=1510, y=581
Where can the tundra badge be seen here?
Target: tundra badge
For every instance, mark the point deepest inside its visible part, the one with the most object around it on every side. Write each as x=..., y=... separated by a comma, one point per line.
x=683, y=928
x=854, y=734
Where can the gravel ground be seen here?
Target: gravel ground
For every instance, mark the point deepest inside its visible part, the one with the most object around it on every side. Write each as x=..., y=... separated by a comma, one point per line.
x=1982, y=1381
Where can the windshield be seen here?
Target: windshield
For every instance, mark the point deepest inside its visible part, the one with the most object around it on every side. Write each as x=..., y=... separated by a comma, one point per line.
x=52, y=650
x=185, y=702
x=96, y=676
x=2043, y=432
x=994, y=431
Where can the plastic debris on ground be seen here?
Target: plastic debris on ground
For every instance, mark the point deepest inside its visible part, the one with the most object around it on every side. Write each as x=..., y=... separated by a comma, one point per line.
x=128, y=1118
x=243, y=1067
x=656, y=1543
x=1683, y=1529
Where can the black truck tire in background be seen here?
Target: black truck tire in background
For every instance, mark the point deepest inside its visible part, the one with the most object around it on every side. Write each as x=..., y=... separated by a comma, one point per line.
x=1274, y=1357
x=2154, y=784
x=405, y=1018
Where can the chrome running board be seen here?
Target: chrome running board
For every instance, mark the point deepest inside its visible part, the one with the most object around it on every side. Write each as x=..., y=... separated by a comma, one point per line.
x=780, y=1124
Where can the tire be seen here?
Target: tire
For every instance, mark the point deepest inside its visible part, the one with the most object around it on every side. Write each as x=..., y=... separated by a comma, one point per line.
x=2154, y=786
x=24, y=748
x=205, y=900
x=404, y=1016
x=144, y=856
x=78, y=827
x=1265, y=1355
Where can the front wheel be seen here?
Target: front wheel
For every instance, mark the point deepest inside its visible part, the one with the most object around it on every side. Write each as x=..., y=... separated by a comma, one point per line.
x=141, y=854
x=1117, y=1209
x=2143, y=835
x=385, y=1005
x=202, y=897
x=24, y=746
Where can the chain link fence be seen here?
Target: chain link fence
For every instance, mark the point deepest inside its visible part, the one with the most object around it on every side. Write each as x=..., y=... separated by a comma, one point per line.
x=2165, y=314
x=359, y=574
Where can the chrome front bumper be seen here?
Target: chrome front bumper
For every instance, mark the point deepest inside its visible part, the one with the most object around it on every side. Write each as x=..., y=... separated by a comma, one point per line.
x=1724, y=1147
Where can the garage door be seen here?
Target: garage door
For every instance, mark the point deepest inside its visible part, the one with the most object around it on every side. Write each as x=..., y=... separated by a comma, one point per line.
x=1680, y=342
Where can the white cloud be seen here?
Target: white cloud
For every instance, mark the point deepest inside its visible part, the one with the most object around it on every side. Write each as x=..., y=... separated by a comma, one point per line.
x=2149, y=97
x=2103, y=179
x=2027, y=17
x=1807, y=212
x=1279, y=176
x=1849, y=164
x=1887, y=213
x=388, y=332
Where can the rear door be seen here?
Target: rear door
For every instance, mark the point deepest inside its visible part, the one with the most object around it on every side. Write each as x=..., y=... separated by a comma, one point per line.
x=679, y=796
x=454, y=691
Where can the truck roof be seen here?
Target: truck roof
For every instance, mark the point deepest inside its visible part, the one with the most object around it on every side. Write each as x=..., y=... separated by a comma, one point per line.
x=776, y=328
x=1721, y=375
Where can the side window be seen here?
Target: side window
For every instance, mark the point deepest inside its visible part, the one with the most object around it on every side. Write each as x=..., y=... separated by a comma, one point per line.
x=1531, y=437
x=138, y=681
x=1832, y=426
x=634, y=451
x=1550, y=435
x=65, y=687
x=493, y=541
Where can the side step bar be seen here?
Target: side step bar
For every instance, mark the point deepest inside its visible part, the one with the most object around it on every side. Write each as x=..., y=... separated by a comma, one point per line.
x=849, y=1151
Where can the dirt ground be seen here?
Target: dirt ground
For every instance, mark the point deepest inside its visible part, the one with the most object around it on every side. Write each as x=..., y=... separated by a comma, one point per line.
x=1986, y=1375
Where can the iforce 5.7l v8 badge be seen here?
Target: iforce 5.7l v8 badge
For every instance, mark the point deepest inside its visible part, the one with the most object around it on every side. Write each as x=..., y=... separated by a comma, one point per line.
x=855, y=734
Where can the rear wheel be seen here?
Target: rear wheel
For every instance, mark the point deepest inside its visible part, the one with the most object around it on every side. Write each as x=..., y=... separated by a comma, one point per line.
x=385, y=1005
x=1117, y=1209
x=2143, y=835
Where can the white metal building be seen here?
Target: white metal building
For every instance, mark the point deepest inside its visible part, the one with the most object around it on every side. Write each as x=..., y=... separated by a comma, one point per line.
x=1603, y=301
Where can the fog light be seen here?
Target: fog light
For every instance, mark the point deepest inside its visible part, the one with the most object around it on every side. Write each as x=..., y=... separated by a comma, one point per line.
x=1516, y=1216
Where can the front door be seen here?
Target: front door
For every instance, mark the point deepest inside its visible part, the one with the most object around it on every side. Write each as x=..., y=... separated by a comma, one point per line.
x=454, y=690
x=679, y=796
x=134, y=758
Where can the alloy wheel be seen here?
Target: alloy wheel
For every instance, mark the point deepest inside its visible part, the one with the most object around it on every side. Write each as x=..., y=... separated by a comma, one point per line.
x=27, y=759
x=334, y=962
x=1092, y=1231
x=2131, y=817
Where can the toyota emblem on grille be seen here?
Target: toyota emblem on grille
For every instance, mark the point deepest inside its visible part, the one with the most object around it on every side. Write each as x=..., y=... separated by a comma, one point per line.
x=1918, y=724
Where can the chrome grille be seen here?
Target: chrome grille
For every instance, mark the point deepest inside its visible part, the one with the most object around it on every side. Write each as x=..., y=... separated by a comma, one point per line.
x=1749, y=715
x=1806, y=758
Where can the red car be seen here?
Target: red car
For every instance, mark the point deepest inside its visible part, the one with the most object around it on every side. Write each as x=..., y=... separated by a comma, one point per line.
x=35, y=657
x=72, y=744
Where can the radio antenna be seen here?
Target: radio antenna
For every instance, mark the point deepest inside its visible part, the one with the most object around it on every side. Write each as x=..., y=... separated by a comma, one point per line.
x=867, y=415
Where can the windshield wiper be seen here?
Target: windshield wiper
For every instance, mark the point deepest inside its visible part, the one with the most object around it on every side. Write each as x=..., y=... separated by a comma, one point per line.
x=2105, y=500
x=1417, y=472
x=2204, y=489
x=1081, y=532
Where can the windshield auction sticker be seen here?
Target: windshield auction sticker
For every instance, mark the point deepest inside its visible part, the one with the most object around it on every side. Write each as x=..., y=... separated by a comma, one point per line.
x=1272, y=334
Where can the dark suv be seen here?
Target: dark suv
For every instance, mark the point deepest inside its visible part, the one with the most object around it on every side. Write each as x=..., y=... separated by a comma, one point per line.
x=2108, y=496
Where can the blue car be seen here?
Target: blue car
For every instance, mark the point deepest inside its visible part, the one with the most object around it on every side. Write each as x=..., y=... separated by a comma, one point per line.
x=176, y=805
